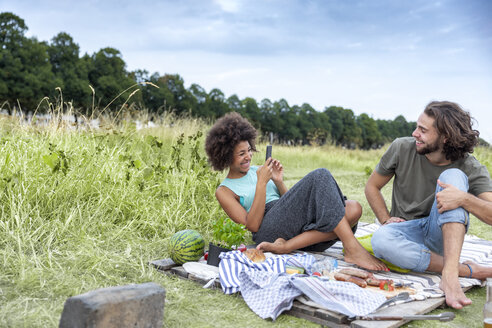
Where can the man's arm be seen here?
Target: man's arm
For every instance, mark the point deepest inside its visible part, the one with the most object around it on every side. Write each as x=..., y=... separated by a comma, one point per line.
x=375, y=198
x=451, y=197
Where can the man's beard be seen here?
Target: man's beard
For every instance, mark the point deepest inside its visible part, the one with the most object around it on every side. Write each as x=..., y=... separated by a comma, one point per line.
x=430, y=148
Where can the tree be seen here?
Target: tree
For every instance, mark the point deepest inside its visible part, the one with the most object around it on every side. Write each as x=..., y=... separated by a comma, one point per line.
x=70, y=69
x=351, y=131
x=234, y=103
x=216, y=104
x=109, y=78
x=270, y=117
x=371, y=136
x=182, y=101
x=201, y=97
x=334, y=115
x=251, y=111
x=403, y=127
x=25, y=71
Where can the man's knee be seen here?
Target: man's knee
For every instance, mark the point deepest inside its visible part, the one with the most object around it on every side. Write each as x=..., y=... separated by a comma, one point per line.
x=381, y=241
x=455, y=177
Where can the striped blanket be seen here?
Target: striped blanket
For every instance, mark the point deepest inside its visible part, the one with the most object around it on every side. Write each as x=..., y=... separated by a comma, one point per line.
x=474, y=249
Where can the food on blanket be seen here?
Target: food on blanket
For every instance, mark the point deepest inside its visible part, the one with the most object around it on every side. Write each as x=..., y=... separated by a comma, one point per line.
x=386, y=285
x=205, y=256
x=317, y=274
x=345, y=277
x=293, y=270
x=185, y=246
x=241, y=248
x=357, y=273
x=373, y=281
x=255, y=255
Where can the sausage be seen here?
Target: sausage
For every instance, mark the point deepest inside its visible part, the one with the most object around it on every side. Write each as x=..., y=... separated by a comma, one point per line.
x=373, y=281
x=357, y=273
x=356, y=280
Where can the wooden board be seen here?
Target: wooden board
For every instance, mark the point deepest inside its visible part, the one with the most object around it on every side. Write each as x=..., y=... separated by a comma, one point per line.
x=390, y=294
x=386, y=293
x=322, y=316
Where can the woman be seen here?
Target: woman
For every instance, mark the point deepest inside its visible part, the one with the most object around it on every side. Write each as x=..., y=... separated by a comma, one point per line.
x=312, y=215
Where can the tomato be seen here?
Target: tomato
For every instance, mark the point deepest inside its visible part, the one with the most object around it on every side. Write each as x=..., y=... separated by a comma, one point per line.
x=386, y=285
x=317, y=274
x=242, y=248
x=205, y=256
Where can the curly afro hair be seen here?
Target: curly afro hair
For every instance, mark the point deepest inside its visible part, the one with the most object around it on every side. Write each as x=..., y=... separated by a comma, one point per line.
x=225, y=134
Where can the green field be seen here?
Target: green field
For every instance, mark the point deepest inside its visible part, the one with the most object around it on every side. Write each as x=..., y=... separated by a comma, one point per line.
x=85, y=209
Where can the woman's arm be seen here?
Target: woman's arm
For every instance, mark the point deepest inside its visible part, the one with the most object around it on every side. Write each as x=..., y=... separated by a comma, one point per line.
x=230, y=202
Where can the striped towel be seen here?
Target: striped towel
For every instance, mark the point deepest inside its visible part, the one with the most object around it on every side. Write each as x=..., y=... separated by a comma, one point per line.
x=269, y=291
x=339, y=296
x=235, y=262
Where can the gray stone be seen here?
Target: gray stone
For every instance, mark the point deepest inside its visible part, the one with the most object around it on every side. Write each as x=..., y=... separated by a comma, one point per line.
x=133, y=306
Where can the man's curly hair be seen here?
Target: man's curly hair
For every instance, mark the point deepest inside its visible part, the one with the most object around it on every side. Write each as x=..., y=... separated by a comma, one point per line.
x=455, y=125
x=225, y=134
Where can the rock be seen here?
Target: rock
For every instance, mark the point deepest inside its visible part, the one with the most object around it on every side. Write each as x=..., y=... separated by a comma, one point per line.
x=133, y=306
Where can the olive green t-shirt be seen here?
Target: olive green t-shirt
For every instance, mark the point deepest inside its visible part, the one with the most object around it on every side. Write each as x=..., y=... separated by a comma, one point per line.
x=415, y=178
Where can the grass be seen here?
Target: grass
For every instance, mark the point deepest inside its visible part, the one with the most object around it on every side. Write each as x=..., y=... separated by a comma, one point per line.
x=82, y=210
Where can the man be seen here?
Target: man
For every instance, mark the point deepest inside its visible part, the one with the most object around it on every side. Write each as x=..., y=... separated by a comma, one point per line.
x=437, y=184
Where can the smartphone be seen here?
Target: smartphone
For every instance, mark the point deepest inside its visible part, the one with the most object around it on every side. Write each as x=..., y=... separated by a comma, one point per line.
x=268, y=152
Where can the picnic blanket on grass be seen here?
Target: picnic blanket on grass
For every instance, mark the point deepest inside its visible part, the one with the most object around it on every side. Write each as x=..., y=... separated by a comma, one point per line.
x=269, y=291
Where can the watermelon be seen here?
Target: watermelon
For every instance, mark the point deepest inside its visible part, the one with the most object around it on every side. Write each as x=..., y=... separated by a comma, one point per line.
x=185, y=246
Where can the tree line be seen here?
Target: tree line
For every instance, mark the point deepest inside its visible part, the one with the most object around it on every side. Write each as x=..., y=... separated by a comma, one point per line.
x=31, y=70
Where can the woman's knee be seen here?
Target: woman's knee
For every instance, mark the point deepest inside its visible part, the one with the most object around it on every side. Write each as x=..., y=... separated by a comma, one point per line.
x=320, y=173
x=353, y=211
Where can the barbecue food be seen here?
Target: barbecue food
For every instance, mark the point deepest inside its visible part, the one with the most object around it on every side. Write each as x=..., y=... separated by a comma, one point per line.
x=356, y=280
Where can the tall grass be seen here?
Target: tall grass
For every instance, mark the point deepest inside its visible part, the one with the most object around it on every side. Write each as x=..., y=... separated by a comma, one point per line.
x=86, y=209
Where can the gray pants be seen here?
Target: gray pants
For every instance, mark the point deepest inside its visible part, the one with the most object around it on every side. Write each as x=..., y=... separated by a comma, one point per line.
x=313, y=203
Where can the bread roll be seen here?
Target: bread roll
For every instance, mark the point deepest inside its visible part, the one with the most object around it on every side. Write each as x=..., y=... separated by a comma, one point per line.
x=255, y=255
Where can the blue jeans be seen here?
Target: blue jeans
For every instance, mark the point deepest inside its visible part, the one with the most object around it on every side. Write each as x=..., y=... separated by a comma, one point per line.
x=409, y=244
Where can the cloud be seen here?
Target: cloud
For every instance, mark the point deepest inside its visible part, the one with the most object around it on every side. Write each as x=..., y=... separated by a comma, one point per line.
x=231, y=6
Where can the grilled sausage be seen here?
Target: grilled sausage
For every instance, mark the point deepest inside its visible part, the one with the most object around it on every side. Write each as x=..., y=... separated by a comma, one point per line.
x=356, y=280
x=373, y=281
x=357, y=273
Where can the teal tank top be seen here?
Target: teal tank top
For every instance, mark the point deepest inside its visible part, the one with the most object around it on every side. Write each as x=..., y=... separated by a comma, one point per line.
x=245, y=188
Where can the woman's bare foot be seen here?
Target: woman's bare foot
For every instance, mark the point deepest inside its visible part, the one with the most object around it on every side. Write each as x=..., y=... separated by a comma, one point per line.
x=479, y=271
x=358, y=255
x=455, y=297
x=277, y=247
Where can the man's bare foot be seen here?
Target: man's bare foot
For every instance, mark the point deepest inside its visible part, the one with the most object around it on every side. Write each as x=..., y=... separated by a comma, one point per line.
x=358, y=255
x=479, y=271
x=455, y=297
x=277, y=247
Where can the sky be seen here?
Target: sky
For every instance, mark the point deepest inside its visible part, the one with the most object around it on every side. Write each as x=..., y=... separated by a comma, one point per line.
x=384, y=58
